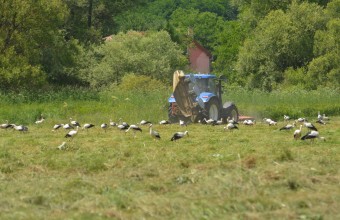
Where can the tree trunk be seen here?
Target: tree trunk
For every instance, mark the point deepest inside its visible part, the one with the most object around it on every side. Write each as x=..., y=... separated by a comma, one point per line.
x=89, y=15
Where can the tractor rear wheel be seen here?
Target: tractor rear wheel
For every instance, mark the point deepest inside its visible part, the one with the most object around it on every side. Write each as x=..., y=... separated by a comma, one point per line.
x=213, y=109
x=232, y=112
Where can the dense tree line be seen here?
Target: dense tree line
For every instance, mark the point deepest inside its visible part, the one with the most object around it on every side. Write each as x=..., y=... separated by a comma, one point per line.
x=265, y=44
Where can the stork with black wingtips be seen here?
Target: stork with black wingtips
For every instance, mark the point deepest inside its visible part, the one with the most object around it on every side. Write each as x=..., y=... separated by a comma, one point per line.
x=112, y=123
x=154, y=133
x=209, y=121
x=57, y=126
x=312, y=135
x=230, y=126
x=144, y=122
x=310, y=126
x=134, y=128
x=20, y=128
x=288, y=127
x=71, y=134
x=87, y=126
x=6, y=125
x=164, y=122
x=74, y=123
x=179, y=135
x=123, y=125
x=104, y=126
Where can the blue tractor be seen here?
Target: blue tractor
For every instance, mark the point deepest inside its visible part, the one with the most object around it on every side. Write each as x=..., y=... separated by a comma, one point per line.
x=199, y=96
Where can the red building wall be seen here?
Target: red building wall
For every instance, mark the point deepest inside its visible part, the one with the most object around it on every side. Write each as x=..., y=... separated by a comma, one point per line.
x=199, y=58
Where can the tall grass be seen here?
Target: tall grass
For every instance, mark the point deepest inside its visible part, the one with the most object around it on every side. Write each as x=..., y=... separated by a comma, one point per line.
x=80, y=103
x=293, y=102
x=133, y=105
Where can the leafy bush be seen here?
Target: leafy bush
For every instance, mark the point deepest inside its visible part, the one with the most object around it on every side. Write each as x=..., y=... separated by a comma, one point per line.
x=142, y=53
x=132, y=82
x=51, y=94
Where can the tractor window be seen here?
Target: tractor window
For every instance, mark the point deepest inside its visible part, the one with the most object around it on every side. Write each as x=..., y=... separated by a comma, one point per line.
x=211, y=86
x=204, y=85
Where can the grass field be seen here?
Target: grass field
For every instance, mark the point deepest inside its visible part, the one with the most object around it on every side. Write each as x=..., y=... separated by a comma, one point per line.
x=256, y=172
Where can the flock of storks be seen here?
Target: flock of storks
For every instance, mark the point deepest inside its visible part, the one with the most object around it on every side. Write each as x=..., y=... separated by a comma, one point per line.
x=231, y=124
x=73, y=126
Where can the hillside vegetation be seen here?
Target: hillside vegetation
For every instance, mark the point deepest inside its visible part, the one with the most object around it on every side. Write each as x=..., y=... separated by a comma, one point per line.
x=94, y=43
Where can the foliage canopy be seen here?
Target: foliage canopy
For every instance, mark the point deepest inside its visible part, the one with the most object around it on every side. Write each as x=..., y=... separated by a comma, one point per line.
x=142, y=53
x=258, y=44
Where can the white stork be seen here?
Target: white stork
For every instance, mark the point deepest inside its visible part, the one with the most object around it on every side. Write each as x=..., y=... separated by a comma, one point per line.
x=179, y=135
x=230, y=126
x=209, y=121
x=154, y=133
x=218, y=122
x=182, y=123
x=68, y=126
x=134, y=129
x=325, y=118
x=123, y=125
x=164, y=122
x=288, y=127
x=269, y=121
x=286, y=118
x=40, y=121
x=312, y=135
x=57, y=126
x=144, y=122
x=231, y=121
x=272, y=123
x=320, y=121
x=249, y=122
x=21, y=128
x=74, y=123
x=88, y=126
x=104, y=126
x=319, y=116
x=297, y=133
x=6, y=125
x=310, y=126
x=301, y=120
x=112, y=123
x=71, y=134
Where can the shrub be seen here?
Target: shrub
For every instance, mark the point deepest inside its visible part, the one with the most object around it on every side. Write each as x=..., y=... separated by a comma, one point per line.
x=141, y=83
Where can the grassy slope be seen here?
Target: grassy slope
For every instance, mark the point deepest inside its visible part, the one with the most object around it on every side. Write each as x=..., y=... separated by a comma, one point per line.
x=253, y=173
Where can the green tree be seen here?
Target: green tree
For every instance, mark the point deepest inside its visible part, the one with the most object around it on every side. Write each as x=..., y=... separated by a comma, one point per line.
x=90, y=20
x=191, y=24
x=29, y=31
x=141, y=53
x=325, y=67
x=252, y=11
x=229, y=42
x=281, y=40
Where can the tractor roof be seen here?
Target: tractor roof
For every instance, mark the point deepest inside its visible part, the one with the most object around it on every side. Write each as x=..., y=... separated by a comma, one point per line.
x=202, y=76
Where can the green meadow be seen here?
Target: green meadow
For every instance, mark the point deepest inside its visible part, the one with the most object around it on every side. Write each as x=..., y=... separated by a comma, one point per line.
x=255, y=172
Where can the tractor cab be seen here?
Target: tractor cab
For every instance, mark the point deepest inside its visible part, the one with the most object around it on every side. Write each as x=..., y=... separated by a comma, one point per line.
x=204, y=83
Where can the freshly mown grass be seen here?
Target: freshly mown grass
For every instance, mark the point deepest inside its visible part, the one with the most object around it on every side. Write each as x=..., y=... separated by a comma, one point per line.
x=255, y=172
